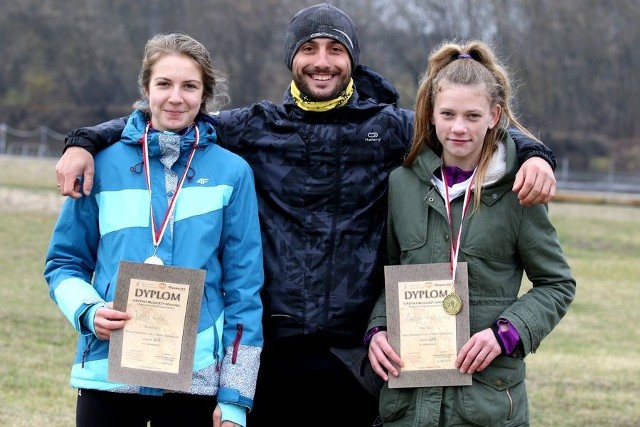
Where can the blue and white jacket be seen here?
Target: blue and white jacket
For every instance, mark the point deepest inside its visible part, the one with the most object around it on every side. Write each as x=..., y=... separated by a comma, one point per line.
x=215, y=227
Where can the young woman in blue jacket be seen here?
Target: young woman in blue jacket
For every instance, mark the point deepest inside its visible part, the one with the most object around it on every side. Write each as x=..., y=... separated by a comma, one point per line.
x=166, y=193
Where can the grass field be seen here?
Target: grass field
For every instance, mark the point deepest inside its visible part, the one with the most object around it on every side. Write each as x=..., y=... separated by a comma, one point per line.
x=586, y=373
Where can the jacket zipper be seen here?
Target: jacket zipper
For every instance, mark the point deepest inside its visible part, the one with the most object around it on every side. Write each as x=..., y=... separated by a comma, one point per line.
x=236, y=343
x=85, y=352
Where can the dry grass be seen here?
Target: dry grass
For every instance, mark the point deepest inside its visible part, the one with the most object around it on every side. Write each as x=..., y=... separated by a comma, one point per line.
x=586, y=373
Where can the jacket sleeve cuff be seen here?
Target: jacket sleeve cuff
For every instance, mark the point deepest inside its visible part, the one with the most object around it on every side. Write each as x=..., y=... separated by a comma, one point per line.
x=546, y=155
x=95, y=138
x=234, y=413
x=527, y=148
x=86, y=320
x=78, y=141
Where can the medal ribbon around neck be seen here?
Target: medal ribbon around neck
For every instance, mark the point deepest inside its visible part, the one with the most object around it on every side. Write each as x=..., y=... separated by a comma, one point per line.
x=455, y=243
x=157, y=235
x=452, y=303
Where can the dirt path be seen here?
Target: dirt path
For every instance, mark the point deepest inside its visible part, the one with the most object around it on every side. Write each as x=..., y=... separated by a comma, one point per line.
x=16, y=200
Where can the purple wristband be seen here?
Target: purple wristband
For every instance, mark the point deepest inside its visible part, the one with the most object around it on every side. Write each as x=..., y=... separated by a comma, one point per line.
x=508, y=336
x=371, y=332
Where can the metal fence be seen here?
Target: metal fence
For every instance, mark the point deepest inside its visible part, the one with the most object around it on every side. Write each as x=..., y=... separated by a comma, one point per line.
x=40, y=142
x=599, y=182
x=44, y=142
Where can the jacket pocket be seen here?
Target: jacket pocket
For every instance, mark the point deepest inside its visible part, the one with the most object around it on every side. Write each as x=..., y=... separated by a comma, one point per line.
x=411, y=230
x=498, y=395
x=394, y=402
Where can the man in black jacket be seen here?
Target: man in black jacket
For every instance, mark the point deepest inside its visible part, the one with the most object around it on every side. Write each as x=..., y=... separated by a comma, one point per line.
x=321, y=162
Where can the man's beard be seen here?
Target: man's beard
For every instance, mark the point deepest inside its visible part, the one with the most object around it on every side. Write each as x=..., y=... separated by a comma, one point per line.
x=308, y=93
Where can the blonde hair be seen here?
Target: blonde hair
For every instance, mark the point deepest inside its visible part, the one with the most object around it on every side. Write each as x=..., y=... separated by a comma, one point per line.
x=473, y=63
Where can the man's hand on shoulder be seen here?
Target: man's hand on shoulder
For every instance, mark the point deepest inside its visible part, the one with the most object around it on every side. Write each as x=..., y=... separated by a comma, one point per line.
x=74, y=172
x=535, y=182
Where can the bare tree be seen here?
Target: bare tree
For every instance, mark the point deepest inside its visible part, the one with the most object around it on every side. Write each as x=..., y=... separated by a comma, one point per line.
x=69, y=63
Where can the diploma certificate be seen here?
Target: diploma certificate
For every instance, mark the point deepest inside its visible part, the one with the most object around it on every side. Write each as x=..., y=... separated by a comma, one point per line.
x=156, y=346
x=426, y=337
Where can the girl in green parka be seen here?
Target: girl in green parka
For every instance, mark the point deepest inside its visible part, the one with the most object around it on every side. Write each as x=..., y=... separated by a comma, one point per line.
x=451, y=202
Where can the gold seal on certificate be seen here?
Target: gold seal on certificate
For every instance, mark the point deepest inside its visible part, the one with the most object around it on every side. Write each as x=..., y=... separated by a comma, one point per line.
x=452, y=304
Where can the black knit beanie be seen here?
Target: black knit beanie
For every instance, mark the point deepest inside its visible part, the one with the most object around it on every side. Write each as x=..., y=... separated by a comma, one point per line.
x=321, y=20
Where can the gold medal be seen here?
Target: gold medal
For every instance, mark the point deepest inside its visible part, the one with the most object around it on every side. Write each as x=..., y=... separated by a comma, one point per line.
x=452, y=304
